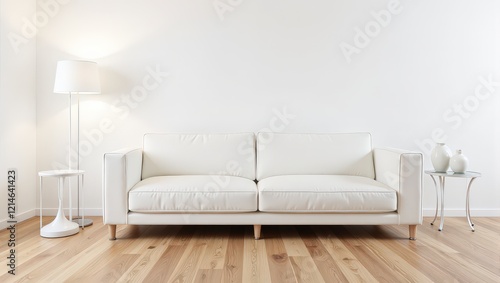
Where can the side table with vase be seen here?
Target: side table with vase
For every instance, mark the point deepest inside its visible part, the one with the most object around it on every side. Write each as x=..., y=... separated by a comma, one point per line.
x=471, y=176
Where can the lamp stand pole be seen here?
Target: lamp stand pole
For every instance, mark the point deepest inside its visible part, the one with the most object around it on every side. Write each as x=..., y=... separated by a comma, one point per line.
x=78, y=219
x=75, y=77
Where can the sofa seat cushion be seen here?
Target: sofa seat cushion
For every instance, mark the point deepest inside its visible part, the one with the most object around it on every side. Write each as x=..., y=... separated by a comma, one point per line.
x=195, y=194
x=325, y=193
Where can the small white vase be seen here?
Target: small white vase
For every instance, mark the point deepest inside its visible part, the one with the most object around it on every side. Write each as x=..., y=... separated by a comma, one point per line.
x=440, y=157
x=458, y=162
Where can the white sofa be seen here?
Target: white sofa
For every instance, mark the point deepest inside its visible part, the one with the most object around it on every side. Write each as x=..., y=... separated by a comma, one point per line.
x=263, y=179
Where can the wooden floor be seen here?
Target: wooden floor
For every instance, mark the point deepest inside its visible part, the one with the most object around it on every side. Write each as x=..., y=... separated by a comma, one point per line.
x=284, y=254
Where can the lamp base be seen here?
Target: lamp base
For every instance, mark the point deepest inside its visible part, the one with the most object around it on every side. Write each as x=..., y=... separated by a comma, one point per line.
x=86, y=222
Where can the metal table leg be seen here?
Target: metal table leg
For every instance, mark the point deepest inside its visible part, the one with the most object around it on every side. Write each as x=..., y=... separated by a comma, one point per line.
x=441, y=181
x=437, y=199
x=467, y=205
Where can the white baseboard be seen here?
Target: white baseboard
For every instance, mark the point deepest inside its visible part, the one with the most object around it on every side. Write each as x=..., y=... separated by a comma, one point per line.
x=461, y=212
x=53, y=212
x=19, y=218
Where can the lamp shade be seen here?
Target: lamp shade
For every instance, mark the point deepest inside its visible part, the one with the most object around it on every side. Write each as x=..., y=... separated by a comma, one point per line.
x=73, y=76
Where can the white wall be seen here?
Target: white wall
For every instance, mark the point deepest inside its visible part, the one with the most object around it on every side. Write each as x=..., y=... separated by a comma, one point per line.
x=229, y=74
x=17, y=108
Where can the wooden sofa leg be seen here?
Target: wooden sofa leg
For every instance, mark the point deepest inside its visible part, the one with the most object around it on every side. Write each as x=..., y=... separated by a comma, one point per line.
x=256, y=231
x=413, y=232
x=112, y=232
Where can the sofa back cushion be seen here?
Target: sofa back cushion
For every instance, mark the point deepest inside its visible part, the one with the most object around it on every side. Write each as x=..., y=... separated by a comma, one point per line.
x=199, y=154
x=314, y=154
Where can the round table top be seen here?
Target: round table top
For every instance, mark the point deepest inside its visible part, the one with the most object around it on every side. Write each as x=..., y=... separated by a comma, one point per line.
x=467, y=174
x=60, y=173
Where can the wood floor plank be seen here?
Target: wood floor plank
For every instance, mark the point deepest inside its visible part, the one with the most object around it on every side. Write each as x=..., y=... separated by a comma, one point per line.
x=144, y=264
x=216, y=249
x=455, y=267
x=184, y=236
x=104, y=270
x=431, y=249
x=284, y=254
x=293, y=243
x=351, y=267
x=391, y=259
x=66, y=251
x=148, y=241
x=480, y=246
x=233, y=265
x=410, y=252
x=103, y=250
x=32, y=254
x=189, y=263
x=305, y=270
x=370, y=260
x=279, y=264
x=255, y=264
x=150, y=252
x=327, y=266
x=166, y=264
x=208, y=276
x=490, y=223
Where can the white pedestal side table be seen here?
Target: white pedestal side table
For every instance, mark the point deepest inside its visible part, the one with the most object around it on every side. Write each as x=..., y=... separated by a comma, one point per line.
x=60, y=226
x=442, y=177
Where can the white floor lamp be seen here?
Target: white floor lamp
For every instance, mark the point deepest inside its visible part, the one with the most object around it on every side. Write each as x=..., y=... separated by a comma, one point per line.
x=75, y=77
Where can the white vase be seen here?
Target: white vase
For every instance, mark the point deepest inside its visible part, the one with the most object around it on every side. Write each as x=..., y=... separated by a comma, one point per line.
x=458, y=162
x=440, y=157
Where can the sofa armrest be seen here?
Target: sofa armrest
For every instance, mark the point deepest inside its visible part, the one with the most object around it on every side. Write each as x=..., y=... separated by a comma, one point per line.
x=122, y=170
x=402, y=171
